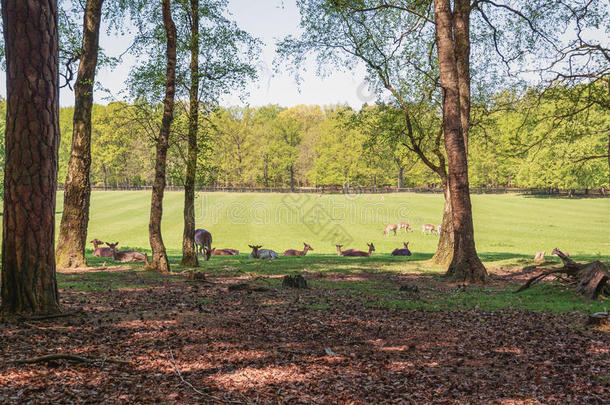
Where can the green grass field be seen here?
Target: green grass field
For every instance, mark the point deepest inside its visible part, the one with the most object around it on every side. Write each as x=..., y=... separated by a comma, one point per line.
x=506, y=226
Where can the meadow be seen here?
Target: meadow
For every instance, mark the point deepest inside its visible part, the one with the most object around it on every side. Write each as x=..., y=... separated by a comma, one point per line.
x=506, y=226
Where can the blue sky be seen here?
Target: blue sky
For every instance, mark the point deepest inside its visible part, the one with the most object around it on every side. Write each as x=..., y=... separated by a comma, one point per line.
x=268, y=20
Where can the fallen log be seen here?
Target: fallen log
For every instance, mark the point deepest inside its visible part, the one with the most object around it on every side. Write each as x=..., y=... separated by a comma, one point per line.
x=67, y=356
x=592, y=278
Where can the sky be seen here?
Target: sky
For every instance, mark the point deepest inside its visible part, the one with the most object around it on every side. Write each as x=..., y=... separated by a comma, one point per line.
x=268, y=20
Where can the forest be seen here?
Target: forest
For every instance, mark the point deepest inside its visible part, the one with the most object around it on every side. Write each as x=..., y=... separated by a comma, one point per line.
x=512, y=144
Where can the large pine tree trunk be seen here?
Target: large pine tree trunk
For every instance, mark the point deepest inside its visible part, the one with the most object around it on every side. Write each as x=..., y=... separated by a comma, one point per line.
x=77, y=191
x=189, y=256
x=466, y=265
x=32, y=137
x=159, y=260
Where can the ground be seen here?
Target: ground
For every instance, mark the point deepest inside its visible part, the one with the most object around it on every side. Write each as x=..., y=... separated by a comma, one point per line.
x=352, y=337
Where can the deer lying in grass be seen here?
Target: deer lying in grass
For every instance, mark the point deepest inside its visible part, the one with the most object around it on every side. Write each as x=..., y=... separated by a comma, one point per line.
x=342, y=252
x=294, y=252
x=224, y=252
x=258, y=253
x=360, y=253
x=203, y=243
x=100, y=251
x=390, y=228
x=402, y=252
x=405, y=226
x=127, y=256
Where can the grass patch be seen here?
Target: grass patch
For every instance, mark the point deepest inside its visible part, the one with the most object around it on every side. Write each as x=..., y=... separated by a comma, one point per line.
x=544, y=298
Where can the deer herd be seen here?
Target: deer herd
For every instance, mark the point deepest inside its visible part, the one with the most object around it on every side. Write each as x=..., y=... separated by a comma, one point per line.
x=203, y=247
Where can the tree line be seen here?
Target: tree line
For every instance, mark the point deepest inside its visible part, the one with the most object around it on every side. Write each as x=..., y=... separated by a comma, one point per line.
x=309, y=146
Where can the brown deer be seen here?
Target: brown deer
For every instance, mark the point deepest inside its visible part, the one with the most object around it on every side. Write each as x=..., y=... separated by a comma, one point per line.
x=405, y=226
x=224, y=252
x=402, y=252
x=389, y=228
x=203, y=243
x=127, y=256
x=360, y=253
x=294, y=252
x=100, y=251
x=341, y=252
x=430, y=229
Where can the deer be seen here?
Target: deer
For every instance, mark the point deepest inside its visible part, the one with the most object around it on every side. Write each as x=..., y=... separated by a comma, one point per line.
x=430, y=228
x=341, y=252
x=360, y=253
x=405, y=226
x=127, y=256
x=224, y=252
x=402, y=252
x=258, y=253
x=391, y=227
x=100, y=251
x=294, y=252
x=203, y=243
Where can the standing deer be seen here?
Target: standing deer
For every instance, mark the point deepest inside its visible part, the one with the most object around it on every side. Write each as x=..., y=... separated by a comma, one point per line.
x=203, y=243
x=429, y=228
x=127, y=256
x=360, y=253
x=294, y=252
x=402, y=252
x=100, y=251
x=391, y=227
x=224, y=252
x=258, y=253
x=405, y=226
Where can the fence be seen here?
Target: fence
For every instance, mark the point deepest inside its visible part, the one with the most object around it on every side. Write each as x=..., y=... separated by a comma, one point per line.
x=599, y=192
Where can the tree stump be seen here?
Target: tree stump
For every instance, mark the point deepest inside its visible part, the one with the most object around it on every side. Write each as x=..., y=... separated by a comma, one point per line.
x=294, y=282
x=592, y=279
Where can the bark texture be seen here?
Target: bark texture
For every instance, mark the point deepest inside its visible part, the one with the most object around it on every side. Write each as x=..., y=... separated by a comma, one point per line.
x=32, y=137
x=189, y=255
x=77, y=193
x=465, y=265
x=159, y=260
x=444, y=250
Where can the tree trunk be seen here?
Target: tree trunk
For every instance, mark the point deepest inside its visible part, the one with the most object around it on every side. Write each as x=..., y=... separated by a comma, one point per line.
x=77, y=191
x=444, y=250
x=401, y=171
x=266, y=172
x=291, y=178
x=29, y=284
x=465, y=265
x=461, y=27
x=189, y=255
x=159, y=260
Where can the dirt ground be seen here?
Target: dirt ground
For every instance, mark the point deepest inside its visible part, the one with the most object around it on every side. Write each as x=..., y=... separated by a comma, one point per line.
x=195, y=342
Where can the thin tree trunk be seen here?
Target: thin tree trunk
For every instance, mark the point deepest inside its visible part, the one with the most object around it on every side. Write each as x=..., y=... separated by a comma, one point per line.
x=466, y=265
x=77, y=191
x=29, y=283
x=159, y=260
x=189, y=256
x=266, y=172
x=291, y=178
x=401, y=171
